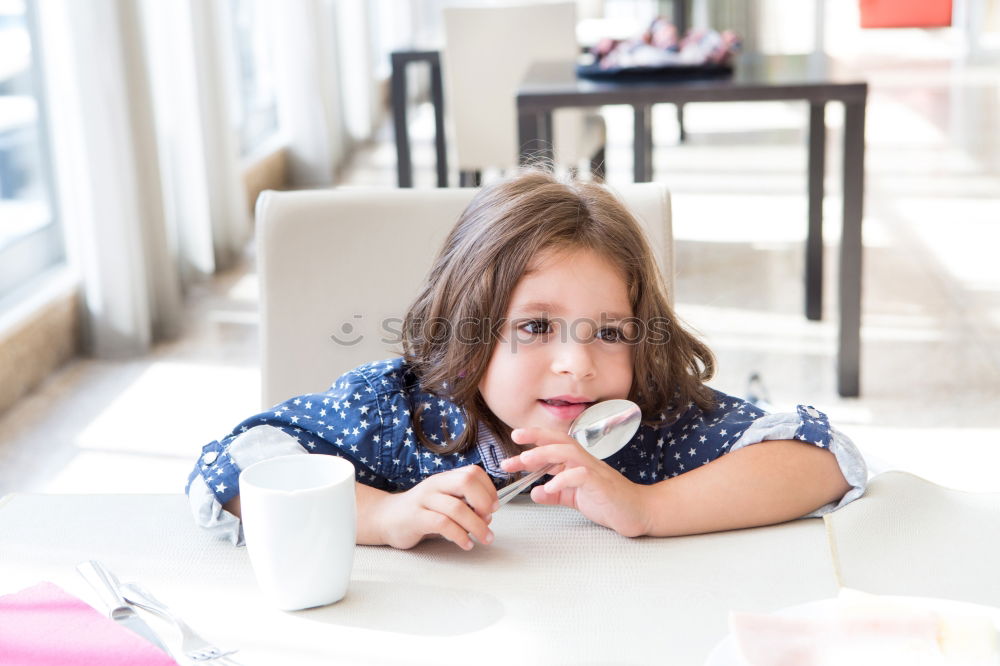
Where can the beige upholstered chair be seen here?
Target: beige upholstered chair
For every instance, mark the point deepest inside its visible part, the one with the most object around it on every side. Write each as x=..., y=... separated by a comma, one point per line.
x=488, y=50
x=338, y=268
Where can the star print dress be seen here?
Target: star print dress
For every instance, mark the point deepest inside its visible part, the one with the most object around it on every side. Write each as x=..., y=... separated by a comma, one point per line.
x=366, y=416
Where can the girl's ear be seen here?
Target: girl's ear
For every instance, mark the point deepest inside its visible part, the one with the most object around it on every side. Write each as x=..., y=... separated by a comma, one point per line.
x=462, y=374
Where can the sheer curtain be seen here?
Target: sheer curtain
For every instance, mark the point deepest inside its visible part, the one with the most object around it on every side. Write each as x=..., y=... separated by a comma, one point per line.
x=308, y=87
x=145, y=158
x=146, y=152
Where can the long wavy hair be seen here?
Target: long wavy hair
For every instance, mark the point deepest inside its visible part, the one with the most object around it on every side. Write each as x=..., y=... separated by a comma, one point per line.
x=450, y=330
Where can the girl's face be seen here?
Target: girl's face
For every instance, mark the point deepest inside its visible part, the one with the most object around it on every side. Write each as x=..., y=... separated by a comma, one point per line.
x=563, y=345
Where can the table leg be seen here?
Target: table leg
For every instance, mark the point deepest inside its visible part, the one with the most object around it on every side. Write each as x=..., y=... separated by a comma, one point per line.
x=680, y=16
x=814, y=236
x=404, y=169
x=534, y=136
x=643, y=144
x=849, y=352
x=437, y=99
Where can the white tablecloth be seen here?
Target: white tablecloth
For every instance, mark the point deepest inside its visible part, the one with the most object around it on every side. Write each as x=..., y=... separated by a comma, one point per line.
x=553, y=589
x=908, y=536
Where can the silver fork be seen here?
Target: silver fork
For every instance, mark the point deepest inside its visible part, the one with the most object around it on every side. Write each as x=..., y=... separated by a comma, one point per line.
x=194, y=646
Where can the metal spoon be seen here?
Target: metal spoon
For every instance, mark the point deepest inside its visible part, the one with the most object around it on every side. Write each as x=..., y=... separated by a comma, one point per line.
x=601, y=429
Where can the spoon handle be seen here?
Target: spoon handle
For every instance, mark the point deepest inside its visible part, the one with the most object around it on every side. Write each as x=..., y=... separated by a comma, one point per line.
x=507, y=493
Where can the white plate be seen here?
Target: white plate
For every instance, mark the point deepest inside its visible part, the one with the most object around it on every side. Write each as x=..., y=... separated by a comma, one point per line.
x=727, y=654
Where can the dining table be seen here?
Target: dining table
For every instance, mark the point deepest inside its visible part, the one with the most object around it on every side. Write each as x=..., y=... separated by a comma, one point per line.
x=553, y=587
x=814, y=79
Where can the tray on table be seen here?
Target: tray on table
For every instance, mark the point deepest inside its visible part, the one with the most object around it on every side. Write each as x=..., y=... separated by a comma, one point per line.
x=655, y=72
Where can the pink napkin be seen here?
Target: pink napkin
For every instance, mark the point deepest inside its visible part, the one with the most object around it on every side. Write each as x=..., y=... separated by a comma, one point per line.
x=45, y=626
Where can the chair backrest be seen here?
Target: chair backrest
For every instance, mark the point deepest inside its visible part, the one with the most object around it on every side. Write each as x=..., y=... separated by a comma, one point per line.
x=487, y=53
x=338, y=269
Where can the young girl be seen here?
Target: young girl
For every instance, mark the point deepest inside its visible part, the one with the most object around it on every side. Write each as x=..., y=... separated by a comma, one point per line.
x=545, y=299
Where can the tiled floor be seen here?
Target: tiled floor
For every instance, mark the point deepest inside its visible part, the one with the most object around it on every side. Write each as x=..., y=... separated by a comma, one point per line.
x=931, y=339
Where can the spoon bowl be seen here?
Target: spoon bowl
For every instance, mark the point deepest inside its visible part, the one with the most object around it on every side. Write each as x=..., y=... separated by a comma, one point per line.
x=601, y=429
x=604, y=428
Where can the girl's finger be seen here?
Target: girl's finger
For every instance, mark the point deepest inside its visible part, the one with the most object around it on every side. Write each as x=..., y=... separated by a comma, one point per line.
x=460, y=514
x=539, y=496
x=564, y=498
x=433, y=522
x=538, y=436
x=473, y=485
x=567, y=454
x=513, y=464
x=537, y=458
x=571, y=478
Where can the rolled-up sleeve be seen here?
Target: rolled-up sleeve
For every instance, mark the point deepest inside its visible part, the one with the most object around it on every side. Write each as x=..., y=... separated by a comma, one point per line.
x=215, y=478
x=810, y=425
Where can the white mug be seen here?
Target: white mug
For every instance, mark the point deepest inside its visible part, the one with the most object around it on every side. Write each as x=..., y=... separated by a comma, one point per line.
x=299, y=525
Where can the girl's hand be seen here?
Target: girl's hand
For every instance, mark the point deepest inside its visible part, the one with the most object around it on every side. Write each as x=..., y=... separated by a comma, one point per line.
x=581, y=481
x=454, y=504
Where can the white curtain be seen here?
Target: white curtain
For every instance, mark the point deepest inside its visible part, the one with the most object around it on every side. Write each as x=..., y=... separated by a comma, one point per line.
x=148, y=175
x=146, y=150
x=308, y=87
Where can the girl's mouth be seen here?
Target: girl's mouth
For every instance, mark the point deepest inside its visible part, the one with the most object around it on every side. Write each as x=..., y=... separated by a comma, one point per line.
x=563, y=409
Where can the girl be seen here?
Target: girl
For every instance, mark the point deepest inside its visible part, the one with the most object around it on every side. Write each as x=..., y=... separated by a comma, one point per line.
x=545, y=299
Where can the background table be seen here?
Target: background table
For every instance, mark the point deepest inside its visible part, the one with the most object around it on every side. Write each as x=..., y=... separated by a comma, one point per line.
x=549, y=86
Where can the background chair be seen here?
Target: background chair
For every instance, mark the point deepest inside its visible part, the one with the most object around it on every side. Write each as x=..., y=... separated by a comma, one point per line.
x=487, y=53
x=338, y=268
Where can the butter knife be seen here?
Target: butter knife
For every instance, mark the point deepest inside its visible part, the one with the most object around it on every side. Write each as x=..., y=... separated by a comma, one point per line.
x=106, y=585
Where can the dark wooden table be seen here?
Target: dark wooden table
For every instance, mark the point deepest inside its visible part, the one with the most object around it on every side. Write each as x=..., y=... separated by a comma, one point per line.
x=553, y=85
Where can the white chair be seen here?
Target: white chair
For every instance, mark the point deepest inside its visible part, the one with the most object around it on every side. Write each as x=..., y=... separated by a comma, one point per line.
x=487, y=53
x=338, y=268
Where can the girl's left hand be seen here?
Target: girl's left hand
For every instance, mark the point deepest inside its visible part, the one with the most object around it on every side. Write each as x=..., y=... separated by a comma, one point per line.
x=581, y=481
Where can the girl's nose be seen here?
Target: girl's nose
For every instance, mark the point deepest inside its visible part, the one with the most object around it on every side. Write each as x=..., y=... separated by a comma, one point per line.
x=573, y=358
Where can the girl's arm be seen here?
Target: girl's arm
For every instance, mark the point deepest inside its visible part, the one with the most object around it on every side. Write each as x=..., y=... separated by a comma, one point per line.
x=769, y=482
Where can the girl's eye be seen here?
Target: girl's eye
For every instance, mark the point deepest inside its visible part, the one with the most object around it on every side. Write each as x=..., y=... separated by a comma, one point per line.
x=610, y=334
x=536, y=327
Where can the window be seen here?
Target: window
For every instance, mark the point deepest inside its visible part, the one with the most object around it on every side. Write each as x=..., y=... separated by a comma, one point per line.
x=257, y=115
x=30, y=237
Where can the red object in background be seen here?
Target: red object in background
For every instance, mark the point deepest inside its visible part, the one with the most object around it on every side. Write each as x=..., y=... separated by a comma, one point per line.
x=905, y=13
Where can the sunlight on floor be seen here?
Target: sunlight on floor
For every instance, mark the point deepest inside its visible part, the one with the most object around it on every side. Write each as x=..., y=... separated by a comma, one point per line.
x=169, y=403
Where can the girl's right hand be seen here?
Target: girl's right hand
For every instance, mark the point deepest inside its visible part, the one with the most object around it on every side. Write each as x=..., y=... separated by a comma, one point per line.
x=454, y=504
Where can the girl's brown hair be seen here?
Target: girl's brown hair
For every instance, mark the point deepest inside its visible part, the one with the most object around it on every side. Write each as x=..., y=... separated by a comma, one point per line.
x=451, y=328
